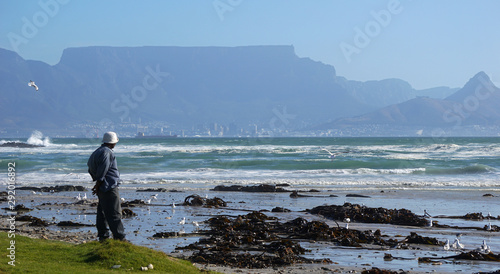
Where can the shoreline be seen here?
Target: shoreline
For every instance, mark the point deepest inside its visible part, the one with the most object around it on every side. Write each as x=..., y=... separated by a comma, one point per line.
x=153, y=217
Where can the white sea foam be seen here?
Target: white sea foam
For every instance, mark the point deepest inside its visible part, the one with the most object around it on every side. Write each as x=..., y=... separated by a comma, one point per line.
x=37, y=138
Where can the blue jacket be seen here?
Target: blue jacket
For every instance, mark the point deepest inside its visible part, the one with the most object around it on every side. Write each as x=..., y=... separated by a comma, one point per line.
x=102, y=166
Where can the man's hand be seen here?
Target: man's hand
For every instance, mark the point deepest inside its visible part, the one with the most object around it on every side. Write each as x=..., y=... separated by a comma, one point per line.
x=96, y=187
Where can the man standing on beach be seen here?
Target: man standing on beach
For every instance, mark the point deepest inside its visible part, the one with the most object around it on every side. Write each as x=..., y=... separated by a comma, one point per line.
x=104, y=171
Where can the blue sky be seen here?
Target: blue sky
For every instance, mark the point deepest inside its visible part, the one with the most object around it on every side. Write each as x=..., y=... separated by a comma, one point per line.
x=427, y=43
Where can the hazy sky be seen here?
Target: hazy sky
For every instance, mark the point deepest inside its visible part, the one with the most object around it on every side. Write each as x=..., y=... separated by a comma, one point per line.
x=425, y=42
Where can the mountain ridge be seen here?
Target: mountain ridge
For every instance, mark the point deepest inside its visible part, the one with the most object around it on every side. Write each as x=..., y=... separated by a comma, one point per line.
x=188, y=86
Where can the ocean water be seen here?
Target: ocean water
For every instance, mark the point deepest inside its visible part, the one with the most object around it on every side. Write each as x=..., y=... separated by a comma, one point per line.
x=194, y=163
x=445, y=176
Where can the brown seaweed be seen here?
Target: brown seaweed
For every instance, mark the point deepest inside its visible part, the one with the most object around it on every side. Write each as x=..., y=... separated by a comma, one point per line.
x=256, y=240
x=363, y=214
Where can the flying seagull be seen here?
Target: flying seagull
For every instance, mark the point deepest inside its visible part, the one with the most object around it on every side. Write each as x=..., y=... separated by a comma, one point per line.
x=32, y=84
x=333, y=155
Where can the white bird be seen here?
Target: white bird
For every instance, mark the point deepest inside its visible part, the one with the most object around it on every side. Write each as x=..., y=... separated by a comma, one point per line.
x=32, y=84
x=148, y=201
x=122, y=199
x=196, y=224
x=447, y=245
x=429, y=224
x=332, y=155
x=347, y=221
x=79, y=197
x=485, y=248
x=154, y=197
x=33, y=192
x=84, y=196
x=489, y=228
x=489, y=215
x=457, y=245
x=173, y=205
x=183, y=221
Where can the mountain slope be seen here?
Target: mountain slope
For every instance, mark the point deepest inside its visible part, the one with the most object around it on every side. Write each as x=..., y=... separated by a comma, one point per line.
x=477, y=103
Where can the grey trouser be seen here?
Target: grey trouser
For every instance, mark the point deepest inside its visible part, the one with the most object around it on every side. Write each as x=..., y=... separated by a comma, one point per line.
x=109, y=212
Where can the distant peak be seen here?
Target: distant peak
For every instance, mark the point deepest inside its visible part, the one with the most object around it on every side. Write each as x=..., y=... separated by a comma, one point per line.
x=481, y=75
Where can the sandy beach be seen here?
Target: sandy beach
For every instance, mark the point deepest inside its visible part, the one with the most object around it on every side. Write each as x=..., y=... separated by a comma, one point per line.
x=159, y=216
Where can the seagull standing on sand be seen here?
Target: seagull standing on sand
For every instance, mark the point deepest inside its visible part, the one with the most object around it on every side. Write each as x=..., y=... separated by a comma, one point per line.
x=32, y=84
x=447, y=245
x=485, y=248
x=347, y=221
x=183, y=221
x=457, y=245
x=196, y=225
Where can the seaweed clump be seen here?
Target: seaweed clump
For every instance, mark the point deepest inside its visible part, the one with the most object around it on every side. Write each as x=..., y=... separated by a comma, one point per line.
x=256, y=240
x=363, y=214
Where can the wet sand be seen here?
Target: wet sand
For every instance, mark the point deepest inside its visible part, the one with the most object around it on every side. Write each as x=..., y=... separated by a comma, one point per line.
x=159, y=216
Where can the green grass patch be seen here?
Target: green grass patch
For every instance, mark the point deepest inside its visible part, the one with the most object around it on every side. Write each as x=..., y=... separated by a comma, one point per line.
x=46, y=256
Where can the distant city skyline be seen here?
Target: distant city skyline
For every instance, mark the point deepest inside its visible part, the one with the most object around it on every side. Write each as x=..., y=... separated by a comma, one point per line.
x=426, y=43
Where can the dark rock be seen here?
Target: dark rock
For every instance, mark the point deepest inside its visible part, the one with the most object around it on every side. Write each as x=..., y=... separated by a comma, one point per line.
x=295, y=194
x=19, y=144
x=256, y=188
x=414, y=238
x=474, y=216
x=133, y=203
x=22, y=208
x=280, y=209
x=375, y=270
x=70, y=223
x=152, y=190
x=127, y=213
x=197, y=200
x=357, y=196
x=54, y=188
x=164, y=234
x=34, y=221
